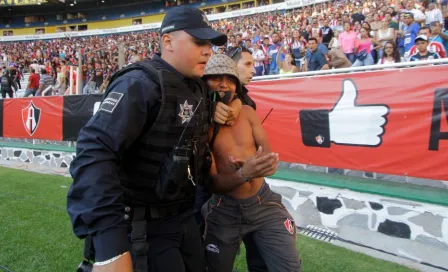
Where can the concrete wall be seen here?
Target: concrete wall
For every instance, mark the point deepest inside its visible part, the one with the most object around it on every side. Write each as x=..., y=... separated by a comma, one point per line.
x=417, y=231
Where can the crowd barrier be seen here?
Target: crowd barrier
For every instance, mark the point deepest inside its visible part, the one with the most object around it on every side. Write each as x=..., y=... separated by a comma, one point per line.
x=392, y=121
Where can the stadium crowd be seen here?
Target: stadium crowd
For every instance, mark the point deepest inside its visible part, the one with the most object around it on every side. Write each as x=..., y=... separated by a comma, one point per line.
x=329, y=35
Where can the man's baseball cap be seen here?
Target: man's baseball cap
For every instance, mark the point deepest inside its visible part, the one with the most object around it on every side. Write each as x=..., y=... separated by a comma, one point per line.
x=194, y=22
x=409, y=14
x=221, y=64
x=421, y=38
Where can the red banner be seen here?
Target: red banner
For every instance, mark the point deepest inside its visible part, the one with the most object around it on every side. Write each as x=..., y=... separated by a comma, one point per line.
x=390, y=121
x=33, y=118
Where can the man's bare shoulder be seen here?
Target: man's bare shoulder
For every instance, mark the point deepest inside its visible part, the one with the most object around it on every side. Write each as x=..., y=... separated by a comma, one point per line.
x=249, y=113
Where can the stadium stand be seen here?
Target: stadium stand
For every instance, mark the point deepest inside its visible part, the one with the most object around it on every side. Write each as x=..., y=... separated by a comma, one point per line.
x=346, y=28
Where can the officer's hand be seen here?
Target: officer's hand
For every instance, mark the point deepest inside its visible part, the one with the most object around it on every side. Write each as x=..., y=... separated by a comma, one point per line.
x=236, y=106
x=123, y=264
x=222, y=113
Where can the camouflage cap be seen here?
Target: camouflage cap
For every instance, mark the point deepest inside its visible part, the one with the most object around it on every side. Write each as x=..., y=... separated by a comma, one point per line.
x=221, y=64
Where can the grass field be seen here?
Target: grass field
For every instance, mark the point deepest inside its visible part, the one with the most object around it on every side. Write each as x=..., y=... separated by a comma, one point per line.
x=36, y=235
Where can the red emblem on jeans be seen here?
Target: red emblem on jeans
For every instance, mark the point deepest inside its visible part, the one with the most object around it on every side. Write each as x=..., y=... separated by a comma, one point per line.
x=289, y=224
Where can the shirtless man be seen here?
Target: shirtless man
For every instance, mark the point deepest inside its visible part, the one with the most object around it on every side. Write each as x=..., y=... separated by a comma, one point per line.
x=250, y=208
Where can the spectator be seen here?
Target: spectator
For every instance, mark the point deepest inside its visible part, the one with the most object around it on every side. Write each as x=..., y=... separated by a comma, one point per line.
x=259, y=57
x=327, y=33
x=384, y=34
x=334, y=43
x=392, y=23
x=433, y=46
x=33, y=84
x=287, y=65
x=272, y=54
x=411, y=31
x=61, y=85
x=363, y=48
x=265, y=47
x=315, y=61
x=297, y=47
x=433, y=14
x=391, y=54
x=337, y=59
x=45, y=84
x=438, y=36
x=422, y=47
x=347, y=42
x=35, y=66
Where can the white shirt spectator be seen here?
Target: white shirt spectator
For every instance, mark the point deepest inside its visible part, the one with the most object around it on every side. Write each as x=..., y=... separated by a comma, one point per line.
x=434, y=15
x=258, y=56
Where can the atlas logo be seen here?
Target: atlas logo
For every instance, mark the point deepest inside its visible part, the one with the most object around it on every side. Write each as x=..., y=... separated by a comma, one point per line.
x=31, y=117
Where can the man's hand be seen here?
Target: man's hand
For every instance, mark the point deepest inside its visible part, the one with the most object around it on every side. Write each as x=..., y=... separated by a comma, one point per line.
x=123, y=264
x=260, y=165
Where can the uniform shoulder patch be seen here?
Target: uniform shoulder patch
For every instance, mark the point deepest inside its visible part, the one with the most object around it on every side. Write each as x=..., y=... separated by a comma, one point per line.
x=110, y=103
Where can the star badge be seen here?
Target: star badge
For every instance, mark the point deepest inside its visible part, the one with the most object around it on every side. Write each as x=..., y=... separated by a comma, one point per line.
x=186, y=111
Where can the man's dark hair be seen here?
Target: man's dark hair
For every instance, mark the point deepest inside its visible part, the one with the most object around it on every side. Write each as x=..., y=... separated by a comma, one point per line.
x=235, y=52
x=313, y=39
x=239, y=35
x=425, y=27
x=43, y=71
x=32, y=70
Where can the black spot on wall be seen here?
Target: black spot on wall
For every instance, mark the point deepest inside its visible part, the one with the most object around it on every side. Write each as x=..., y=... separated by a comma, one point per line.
x=327, y=206
x=376, y=206
x=56, y=155
x=395, y=229
x=63, y=165
x=37, y=153
x=27, y=160
x=47, y=157
x=17, y=153
x=368, y=174
x=338, y=171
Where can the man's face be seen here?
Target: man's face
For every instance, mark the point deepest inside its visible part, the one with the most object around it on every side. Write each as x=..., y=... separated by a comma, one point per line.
x=246, y=70
x=313, y=45
x=275, y=38
x=238, y=38
x=195, y=53
x=222, y=84
x=424, y=32
x=421, y=46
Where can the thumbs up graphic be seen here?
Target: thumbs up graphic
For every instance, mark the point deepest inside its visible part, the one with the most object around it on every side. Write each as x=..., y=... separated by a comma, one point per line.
x=346, y=124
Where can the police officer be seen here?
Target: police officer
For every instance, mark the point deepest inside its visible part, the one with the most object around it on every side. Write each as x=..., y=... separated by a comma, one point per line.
x=142, y=154
x=7, y=84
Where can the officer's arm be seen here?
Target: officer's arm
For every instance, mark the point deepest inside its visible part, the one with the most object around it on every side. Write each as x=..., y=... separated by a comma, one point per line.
x=94, y=201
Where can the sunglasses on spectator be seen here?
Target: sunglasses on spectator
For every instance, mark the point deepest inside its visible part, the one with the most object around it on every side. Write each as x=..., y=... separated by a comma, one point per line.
x=233, y=51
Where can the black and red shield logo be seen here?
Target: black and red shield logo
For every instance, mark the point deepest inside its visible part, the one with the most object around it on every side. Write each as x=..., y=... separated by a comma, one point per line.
x=31, y=117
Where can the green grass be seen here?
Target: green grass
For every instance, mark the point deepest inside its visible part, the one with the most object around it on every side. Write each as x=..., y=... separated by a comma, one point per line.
x=36, y=234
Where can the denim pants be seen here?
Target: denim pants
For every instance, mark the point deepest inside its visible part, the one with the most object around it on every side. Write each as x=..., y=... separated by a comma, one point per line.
x=365, y=62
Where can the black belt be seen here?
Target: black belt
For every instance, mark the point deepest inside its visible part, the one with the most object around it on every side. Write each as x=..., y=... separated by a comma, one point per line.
x=158, y=212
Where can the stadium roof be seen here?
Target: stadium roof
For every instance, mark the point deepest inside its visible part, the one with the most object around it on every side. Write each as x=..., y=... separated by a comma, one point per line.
x=57, y=6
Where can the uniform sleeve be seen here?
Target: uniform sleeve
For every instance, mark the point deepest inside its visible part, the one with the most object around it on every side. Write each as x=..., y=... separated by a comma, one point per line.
x=94, y=201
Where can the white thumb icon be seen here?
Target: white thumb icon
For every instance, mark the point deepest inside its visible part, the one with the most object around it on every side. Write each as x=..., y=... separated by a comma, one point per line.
x=352, y=124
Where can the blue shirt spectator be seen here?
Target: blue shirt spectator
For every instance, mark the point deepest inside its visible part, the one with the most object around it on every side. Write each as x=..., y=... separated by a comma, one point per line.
x=272, y=53
x=411, y=31
x=315, y=59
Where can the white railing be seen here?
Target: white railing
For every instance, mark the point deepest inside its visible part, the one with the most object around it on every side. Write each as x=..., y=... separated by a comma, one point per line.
x=289, y=4
x=370, y=68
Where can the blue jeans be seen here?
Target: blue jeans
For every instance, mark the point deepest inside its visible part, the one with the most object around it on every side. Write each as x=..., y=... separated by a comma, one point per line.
x=365, y=62
x=259, y=71
x=351, y=57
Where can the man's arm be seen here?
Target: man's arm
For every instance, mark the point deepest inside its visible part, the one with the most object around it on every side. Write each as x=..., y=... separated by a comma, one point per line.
x=94, y=201
x=256, y=167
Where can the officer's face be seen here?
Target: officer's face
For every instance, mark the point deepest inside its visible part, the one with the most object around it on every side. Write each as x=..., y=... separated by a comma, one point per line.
x=190, y=55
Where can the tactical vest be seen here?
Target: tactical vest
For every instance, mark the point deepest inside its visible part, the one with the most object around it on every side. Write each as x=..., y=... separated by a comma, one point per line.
x=5, y=83
x=141, y=163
